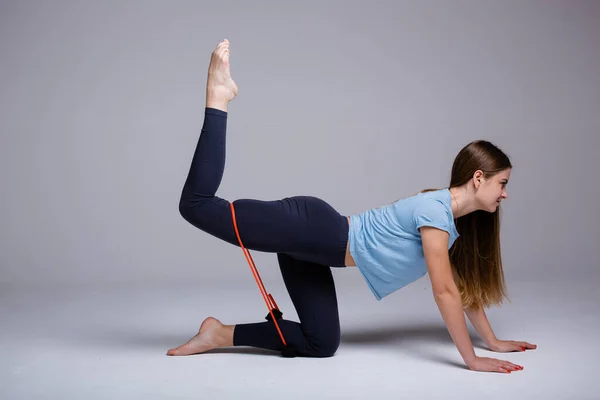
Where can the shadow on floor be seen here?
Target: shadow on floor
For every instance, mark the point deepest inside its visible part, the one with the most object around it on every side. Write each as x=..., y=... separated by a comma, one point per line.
x=398, y=337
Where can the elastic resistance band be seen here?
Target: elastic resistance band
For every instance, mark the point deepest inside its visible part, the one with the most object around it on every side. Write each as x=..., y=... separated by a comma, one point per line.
x=274, y=312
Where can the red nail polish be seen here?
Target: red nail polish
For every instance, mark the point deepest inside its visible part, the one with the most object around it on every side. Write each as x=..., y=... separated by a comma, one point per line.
x=523, y=348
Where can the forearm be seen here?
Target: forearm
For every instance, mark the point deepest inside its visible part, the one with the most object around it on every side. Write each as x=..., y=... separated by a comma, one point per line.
x=451, y=308
x=481, y=324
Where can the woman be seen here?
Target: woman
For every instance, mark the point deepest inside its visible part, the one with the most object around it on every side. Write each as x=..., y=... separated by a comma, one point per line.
x=392, y=245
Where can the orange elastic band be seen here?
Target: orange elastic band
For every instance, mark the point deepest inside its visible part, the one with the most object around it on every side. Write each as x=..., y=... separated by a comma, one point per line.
x=271, y=305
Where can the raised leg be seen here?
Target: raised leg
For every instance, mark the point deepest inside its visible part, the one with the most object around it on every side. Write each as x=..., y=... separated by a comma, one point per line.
x=303, y=226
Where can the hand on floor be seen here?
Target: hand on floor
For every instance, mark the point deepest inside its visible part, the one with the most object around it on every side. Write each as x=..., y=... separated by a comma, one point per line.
x=504, y=346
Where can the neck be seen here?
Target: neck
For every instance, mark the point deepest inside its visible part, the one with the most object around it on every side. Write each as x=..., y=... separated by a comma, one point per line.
x=463, y=200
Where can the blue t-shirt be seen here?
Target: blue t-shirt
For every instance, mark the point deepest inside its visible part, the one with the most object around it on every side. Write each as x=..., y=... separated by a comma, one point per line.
x=386, y=244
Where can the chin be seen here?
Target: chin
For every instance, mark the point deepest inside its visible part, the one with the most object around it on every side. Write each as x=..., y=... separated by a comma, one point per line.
x=493, y=208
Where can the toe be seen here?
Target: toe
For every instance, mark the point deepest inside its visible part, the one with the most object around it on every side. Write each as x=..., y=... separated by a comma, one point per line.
x=178, y=351
x=172, y=352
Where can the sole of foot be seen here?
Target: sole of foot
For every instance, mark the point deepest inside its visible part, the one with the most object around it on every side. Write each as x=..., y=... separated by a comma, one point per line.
x=220, y=87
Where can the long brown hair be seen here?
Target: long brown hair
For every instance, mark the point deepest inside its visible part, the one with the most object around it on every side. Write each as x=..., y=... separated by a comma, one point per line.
x=475, y=256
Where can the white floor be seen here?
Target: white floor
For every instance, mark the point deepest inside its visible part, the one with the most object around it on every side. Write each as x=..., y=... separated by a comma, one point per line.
x=61, y=342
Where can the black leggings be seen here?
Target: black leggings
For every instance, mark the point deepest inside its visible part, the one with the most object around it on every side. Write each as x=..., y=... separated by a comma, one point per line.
x=308, y=235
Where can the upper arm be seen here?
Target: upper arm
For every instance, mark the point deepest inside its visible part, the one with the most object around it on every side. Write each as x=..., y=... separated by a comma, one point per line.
x=435, y=249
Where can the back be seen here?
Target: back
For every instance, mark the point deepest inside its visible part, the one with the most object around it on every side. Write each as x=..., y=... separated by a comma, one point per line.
x=386, y=244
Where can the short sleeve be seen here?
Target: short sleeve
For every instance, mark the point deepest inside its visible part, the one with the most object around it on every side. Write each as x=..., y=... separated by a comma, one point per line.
x=431, y=212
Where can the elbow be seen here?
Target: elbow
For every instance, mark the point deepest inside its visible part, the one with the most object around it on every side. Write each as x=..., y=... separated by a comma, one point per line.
x=444, y=292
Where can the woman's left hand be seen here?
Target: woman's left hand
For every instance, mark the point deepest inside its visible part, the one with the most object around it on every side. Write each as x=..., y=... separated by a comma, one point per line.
x=504, y=346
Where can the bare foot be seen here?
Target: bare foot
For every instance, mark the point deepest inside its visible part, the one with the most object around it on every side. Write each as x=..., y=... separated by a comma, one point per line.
x=211, y=335
x=220, y=88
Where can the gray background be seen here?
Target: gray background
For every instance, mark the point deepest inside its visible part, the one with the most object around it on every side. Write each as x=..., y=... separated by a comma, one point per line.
x=359, y=103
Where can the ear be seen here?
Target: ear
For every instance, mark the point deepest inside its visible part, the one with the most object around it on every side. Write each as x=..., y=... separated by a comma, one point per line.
x=477, y=178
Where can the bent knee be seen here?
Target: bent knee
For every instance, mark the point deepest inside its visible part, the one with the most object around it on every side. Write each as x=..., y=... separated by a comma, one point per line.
x=211, y=215
x=325, y=346
x=192, y=215
x=204, y=210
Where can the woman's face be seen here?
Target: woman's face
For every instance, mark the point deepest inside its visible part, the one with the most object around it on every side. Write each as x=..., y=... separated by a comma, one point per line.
x=493, y=190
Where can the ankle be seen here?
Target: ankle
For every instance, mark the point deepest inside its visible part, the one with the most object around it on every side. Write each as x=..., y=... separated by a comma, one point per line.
x=226, y=335
x=215, y=98
x=219, y=105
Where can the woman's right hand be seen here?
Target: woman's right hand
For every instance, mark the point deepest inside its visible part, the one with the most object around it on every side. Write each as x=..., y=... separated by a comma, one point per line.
x=492, y=365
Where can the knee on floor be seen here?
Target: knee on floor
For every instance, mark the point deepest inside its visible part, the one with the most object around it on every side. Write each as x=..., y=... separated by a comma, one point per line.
x=325, y=346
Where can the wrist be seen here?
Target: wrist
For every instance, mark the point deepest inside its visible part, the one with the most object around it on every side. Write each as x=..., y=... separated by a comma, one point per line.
x=469, y=360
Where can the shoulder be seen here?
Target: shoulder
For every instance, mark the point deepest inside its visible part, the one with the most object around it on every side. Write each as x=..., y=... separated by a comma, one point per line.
x=430, y=208
x=431, y=211
x=432, y=221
